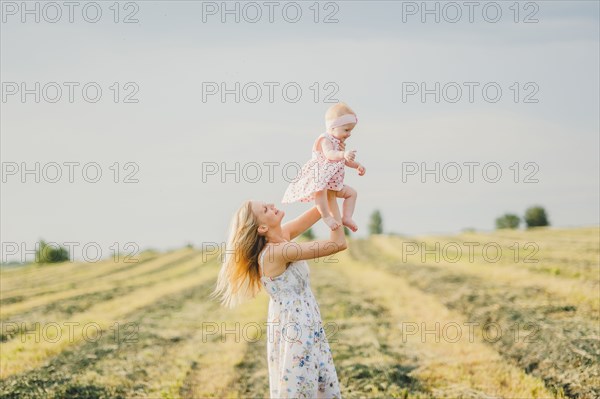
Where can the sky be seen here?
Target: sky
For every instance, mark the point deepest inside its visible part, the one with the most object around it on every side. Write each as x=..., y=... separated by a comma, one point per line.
x=515, y=124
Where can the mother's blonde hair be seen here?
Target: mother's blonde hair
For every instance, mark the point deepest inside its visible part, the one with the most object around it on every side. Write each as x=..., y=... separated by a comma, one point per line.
x=239, y=277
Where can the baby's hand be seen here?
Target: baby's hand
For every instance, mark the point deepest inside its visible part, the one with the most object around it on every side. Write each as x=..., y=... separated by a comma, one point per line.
x=361, y=170
x=350, y=155
x=342, y=146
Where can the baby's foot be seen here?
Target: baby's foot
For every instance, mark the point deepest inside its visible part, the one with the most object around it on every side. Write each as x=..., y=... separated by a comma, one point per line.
x=349, y=223
x=331, y=222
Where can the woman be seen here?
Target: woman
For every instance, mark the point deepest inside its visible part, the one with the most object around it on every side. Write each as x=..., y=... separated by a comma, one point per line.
x=299, y=357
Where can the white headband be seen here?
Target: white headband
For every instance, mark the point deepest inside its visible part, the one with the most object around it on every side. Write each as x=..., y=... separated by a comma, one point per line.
x=342, y=120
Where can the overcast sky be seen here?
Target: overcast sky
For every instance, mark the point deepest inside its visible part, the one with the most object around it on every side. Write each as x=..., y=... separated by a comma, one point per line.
x=540, y=131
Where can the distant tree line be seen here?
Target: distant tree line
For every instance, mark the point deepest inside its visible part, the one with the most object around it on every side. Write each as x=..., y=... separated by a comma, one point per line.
x=535, y=216
x=50, y=253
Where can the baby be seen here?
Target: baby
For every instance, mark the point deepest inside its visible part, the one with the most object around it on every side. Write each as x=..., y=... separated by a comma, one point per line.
x=325, y=170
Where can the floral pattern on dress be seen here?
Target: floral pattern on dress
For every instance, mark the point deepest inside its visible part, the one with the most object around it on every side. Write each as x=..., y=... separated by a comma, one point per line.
x=299, y=357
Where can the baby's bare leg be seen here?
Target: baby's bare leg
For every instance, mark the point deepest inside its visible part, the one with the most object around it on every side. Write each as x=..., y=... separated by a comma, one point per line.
x=321, y=198
x=349, y=195
x=333, y=205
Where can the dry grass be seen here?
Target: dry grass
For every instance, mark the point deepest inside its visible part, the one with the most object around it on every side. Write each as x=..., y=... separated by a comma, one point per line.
x=19, y=355
x=369, y=301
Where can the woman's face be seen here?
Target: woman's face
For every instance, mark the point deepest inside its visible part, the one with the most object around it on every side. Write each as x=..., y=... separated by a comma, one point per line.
x=266, y=214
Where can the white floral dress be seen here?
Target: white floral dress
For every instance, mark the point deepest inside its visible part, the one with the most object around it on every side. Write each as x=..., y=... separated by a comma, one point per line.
x=299, y=358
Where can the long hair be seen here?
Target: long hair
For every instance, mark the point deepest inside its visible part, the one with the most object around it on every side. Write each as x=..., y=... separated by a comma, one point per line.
x=239, y=277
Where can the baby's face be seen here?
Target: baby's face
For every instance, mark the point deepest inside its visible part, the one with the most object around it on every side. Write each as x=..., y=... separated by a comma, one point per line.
x=343, y=132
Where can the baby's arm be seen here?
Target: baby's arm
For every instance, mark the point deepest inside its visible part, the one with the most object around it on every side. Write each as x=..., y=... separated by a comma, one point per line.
x=352, y=164
x=356, y=165
x=330, y=153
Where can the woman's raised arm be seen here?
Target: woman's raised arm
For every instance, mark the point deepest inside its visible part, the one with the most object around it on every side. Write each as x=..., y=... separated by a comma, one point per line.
x=294, y=251
x=302, y=223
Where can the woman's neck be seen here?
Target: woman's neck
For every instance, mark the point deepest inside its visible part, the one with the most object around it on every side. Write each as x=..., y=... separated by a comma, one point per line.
x=275, y=236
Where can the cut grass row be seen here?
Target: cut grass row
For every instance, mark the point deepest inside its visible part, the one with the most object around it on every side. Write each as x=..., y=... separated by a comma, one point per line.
x=173, y=354
x=63, y=279
x=29, y=352
x=447, y=365
x=45, y=275
x=367, y=301
x=154, y=271
x=582, y=291
x=557, y=340
x=572, y=253
x=363, y=308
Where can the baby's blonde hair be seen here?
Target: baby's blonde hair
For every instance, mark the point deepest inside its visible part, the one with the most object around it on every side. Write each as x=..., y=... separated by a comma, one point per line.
x=337, y=110
x=239, y=278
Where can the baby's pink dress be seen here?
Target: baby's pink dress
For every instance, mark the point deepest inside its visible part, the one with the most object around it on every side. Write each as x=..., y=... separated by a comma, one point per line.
x=317, y=174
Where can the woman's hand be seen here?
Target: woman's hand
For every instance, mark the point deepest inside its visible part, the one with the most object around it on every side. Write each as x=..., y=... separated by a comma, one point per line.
x=318, y=248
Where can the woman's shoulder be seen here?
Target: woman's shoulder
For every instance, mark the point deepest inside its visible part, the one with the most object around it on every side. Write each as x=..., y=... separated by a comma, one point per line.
x=272, y=264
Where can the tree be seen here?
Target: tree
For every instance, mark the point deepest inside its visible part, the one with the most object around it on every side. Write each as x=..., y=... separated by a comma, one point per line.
x=308, y=234
x=346, y=231
x=508, y=221
x=376, y=223
x=535, y=216
x=50, y=254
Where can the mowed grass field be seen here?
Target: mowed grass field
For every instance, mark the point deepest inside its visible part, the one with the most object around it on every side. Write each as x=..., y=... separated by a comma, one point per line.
x=509, y=314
